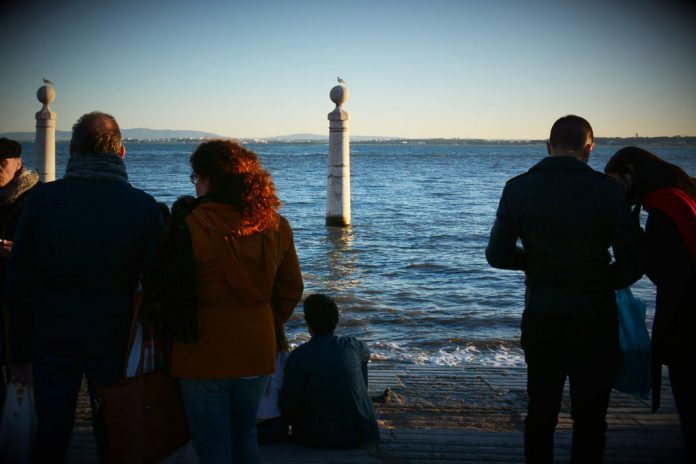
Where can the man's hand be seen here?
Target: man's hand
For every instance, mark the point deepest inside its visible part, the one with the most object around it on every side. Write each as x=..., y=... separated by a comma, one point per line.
x=22, y=373
x=5, y=248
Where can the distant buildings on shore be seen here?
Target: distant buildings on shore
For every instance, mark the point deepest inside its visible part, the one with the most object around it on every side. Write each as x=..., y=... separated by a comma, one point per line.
x=187, y=137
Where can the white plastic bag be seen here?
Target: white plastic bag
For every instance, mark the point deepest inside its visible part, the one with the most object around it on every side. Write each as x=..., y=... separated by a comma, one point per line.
x=143, y=349
x=18, y=425
x=135, y=351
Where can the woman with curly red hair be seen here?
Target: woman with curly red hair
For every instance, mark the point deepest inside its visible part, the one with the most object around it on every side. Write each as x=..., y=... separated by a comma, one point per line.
x=248, y=282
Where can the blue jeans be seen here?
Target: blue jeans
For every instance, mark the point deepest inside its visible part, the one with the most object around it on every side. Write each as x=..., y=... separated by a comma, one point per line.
x=222, y=418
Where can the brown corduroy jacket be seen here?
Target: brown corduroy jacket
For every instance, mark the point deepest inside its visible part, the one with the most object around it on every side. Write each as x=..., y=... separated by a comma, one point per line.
x=248, y=281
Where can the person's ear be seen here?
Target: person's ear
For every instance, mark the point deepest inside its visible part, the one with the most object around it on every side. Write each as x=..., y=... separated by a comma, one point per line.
x=588, y=149
x=122, y=152
x=549, y=150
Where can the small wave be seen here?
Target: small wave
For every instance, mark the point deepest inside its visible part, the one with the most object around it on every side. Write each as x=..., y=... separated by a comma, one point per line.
x=491, y=353
x=427, y=266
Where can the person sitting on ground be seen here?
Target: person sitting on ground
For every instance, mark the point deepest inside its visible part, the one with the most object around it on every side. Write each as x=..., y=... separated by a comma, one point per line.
x=325, y=392
x=271, y=424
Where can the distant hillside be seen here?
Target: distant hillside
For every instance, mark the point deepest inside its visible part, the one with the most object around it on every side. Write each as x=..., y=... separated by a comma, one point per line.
x=138, y=134
x=189, y=135
x=61, y=136
x=297, y=138
x=158, y=134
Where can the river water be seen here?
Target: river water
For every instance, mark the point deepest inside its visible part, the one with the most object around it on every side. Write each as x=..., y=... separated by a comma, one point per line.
x=409, y=275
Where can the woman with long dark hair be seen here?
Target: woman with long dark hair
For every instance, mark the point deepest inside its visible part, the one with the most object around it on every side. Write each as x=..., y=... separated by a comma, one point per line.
x=668, y=194
x=247, y=281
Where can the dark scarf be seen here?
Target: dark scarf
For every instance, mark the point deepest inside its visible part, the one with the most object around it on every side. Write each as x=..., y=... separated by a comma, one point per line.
x=680, y=208
x=98, y=166
x=23, y=181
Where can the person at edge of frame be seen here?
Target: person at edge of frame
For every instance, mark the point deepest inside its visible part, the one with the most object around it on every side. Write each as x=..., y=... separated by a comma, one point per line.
x=668, y=195
x=83, y=245
x=16, y=182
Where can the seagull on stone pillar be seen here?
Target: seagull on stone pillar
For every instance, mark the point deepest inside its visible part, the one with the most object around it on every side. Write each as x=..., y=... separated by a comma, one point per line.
x=340, y=81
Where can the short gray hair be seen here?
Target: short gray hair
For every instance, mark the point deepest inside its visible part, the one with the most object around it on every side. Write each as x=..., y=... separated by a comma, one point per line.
x=96, y=132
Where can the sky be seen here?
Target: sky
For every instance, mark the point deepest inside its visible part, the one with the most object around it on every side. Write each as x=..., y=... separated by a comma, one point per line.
x=418, y=69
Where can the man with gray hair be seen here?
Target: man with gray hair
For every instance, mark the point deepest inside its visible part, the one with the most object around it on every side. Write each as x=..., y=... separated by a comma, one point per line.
x=82, y=245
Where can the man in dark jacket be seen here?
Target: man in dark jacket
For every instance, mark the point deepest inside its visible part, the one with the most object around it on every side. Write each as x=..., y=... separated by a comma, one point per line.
x=324, y=393
x=15, y=184
x=567, y=216
x=82, y=245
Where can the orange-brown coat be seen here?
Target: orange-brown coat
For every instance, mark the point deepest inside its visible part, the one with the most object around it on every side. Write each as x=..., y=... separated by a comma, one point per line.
x=248, y=281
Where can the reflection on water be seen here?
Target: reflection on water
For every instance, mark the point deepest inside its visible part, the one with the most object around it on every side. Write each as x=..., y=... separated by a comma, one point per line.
x=341, y=263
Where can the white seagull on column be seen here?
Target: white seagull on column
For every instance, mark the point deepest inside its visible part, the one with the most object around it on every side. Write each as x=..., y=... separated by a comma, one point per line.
x=340, y=81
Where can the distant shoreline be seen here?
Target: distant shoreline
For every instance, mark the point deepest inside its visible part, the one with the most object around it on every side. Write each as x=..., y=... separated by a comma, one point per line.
x=672, y=141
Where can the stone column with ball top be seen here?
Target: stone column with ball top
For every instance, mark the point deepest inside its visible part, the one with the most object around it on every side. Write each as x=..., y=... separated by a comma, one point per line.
x=338, y=182
x=45, y=151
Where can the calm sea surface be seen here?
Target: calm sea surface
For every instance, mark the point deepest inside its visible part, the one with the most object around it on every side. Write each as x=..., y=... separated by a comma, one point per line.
x=410, y=275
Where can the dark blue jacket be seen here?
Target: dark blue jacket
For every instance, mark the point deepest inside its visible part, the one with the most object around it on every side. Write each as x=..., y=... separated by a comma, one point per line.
x=80, y=248
x=325, y=395
x=567, y=216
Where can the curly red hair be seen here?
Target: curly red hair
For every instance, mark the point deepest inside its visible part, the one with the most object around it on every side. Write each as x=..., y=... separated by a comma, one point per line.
x=237, y=177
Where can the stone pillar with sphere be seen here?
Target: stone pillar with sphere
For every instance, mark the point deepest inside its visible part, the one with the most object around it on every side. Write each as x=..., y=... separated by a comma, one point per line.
x=45, y=146
x=338, y=182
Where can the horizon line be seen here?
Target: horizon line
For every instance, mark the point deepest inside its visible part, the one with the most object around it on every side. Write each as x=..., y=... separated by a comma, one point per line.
x=301, y=136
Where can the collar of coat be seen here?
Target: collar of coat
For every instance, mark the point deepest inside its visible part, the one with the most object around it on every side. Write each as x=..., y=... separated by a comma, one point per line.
x=24, y=181
x=97, y=166
x=553, y=163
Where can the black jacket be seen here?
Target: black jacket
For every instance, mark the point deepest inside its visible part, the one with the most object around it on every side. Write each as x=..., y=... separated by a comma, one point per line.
x=671, y=268
x=567, y=215
x=9, y=218
x=81, y=247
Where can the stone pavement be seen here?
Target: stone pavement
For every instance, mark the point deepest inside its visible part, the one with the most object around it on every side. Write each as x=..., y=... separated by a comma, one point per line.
x=460, y=415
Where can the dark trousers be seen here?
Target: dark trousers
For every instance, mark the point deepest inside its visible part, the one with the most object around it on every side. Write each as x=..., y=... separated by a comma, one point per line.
x=589, y=358
x=588, y=411
x=57, y=382
x=681, y=377
x=272, y=431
